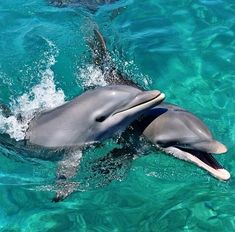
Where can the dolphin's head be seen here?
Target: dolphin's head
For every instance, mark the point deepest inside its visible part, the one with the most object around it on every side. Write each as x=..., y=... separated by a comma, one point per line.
x=119, y=105
x=183, y=135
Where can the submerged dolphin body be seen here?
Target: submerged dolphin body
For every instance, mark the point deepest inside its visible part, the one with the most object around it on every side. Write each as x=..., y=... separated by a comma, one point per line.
x=171, y=128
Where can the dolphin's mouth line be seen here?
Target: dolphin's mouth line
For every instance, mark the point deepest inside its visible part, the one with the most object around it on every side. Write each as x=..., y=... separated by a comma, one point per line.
x=206, y=158
x=202, y=159
x=160, y=95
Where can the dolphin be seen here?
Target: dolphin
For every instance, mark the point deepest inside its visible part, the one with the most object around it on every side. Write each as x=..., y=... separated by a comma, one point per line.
x=180, y=133
x=170, y=128
x=91, y=117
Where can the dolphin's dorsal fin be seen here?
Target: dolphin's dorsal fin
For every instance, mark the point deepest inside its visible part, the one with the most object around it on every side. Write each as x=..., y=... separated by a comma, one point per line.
x=100, y=39
x=104, y=61
x=101, y=56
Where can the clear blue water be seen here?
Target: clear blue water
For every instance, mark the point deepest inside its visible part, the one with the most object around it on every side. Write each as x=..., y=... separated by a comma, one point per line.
x=184, y=48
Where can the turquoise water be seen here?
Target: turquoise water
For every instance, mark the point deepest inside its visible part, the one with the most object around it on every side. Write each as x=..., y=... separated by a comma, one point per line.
x=184, y=48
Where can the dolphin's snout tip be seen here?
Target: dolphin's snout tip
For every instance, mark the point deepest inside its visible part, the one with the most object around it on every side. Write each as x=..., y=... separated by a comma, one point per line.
x=223, y=174
x=157, y=94
x=162, y=96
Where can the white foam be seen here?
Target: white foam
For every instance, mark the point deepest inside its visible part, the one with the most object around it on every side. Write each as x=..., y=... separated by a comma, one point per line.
x=44, y=95
x=91, y=75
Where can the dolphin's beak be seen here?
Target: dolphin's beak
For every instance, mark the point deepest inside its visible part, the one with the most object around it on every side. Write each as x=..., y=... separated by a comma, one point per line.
x=143, y=101
x=153, y=96
x=201, y=159
x=209, y=163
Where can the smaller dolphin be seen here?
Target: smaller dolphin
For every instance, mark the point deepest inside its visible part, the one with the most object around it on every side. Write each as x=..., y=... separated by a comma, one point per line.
x=181, y=134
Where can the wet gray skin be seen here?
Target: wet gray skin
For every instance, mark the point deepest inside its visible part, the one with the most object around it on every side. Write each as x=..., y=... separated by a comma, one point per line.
x=171, y=128
x=91, y=117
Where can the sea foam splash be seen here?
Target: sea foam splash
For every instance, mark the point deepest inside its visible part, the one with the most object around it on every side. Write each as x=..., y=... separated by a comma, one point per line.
x=42, y=96
x=91, y=76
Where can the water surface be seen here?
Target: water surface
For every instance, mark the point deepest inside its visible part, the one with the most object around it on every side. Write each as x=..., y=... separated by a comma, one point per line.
x=184, y=48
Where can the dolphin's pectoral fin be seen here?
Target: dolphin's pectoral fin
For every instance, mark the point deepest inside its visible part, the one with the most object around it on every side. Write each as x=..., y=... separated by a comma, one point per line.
x=65, y=189
x=67, y=169
x=201, y=159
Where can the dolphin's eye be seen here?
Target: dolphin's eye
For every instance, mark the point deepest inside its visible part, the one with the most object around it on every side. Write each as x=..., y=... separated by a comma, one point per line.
x=100, y=119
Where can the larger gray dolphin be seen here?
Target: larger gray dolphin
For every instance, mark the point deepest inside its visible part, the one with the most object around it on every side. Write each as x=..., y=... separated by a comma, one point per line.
x=171, y=128
x=91, y=117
